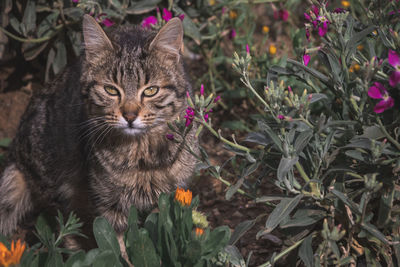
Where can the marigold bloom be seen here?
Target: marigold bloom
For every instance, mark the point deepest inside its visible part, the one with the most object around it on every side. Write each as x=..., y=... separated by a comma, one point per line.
x=272, y=50
x=12, y=256
x=183, y=197
x=233, y=14
x=345, y=3
x=378, y=91
x=265, y=29
x=199, y=231
x=211, y=2
x=360, y=47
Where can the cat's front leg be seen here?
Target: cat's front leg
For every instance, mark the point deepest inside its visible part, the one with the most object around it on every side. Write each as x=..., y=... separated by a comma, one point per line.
x=15, y=199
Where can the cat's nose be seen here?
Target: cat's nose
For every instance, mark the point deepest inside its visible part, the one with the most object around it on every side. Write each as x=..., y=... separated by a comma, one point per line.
x=129, y=117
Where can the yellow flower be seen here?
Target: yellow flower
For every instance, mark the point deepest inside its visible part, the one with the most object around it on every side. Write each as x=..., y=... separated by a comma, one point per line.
x=345, y=3
x=360, y=47
x=356, y=67
x=13, y=256
x=272, y=50
x=183, y=197
x=211, y=2
x=199, y=231
x=233, y=14
x=265, y=29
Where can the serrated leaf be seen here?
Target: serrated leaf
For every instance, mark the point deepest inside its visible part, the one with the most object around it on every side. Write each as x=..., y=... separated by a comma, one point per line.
x=281, y=211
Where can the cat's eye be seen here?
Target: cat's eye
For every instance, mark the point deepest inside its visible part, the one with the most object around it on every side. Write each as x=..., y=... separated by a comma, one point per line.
x=111, y=90
x=151, y=91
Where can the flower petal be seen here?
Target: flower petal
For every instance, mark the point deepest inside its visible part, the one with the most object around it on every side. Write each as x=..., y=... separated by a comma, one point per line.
x=393, y=58
x=394, y=78
x=306, y=59
x=384, y=105
x=374, y=92
x=167, y=15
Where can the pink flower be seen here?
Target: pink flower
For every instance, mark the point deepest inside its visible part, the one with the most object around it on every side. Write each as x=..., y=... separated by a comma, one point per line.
x=107, y=22
x=247, y=49
x=394, y=60
x=308, y=34
x=181, y=17
x=378, y=91
x=232, y=34
x=202, y=89
x=281, y=117
x=290, y=89
x=283, y=14
x=189, y=116
x=306, y=59
x=206, y=117
x=322, y=30
x=217, y=99
x=167, y=15
x=170, y=137
x=147, y=22
x=75, y=1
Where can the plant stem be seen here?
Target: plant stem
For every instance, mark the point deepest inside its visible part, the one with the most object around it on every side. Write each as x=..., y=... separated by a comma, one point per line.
x=283, y=253
x=391, y=139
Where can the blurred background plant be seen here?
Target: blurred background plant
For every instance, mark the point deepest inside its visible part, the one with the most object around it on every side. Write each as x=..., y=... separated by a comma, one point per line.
x=310, y=99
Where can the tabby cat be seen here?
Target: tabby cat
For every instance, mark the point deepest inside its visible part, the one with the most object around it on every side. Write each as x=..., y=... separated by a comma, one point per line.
x=94, y=141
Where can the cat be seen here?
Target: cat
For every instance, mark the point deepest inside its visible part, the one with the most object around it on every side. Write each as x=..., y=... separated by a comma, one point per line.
x=93, y=142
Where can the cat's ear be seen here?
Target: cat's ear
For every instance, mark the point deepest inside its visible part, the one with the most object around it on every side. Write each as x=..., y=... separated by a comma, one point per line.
x=95, y=39
x=170, y=38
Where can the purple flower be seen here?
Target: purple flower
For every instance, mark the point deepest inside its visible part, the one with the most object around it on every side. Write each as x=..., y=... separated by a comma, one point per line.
x=378, y=91
x=306, y=59
x=202, y=89
x=170, y=137
x=216, y=99
x=340, y=10
x=181, y=17
x=147, y=22
x=247, y=49
x=189, y=116
x=75, y=1
x=232, y=34
x=107, y=22
x=167, y=15
x=281, y=117
x=206, y=117
x=283, y=14
x=308, y=34
x=322, y=30
x=394, y=60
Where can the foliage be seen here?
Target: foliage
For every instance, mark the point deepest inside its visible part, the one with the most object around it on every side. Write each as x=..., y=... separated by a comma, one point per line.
x=335, y=152
x=166, y=238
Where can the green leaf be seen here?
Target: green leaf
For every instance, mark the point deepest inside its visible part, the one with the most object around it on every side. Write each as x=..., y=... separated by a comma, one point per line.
x=32, y=50
x=75, y=13
x=189, y=27
x=353, y=206
x=265, y=127
x=304, y=217
x=106, y=258
x=60, y=59
x=141, y=7
x=235, y=258
x=233, y=189
x=5, y=142
x=281, y=211
x=46, y=27
x=217, y=239
x=258, y=138
x=285, y=165
x=370, y=228
x=235, y=125
x=105, y=236
x=302, y=141
x=240, y=230
x=311, y=71
x=29, y=18
x=306, y=252
x=317, y=97
x=77, y=256
x=142, y=252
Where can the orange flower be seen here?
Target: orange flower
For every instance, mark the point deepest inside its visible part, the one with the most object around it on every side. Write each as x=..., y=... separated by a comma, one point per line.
x=345, y=3
x=233, y=14
x=183, y=197
x=13, y=256
x=199, y=231
x=265, y=29
x=272, y=50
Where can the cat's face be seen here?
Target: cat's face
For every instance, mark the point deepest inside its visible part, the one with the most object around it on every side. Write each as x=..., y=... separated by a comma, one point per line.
x=136, y=84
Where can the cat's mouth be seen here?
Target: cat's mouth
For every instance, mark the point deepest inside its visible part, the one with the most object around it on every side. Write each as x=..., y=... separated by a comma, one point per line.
x=134, y=127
